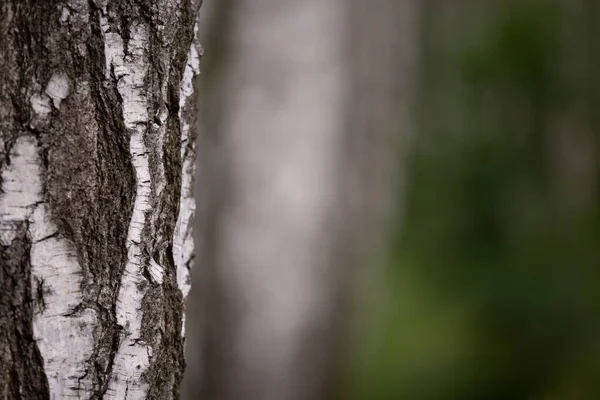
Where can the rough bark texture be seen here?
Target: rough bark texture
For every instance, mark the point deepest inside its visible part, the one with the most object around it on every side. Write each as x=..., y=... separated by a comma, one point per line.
x=96, y=160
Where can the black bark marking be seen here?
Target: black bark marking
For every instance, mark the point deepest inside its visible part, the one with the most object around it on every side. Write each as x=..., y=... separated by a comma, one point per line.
x=38, y=301
x=52, y=235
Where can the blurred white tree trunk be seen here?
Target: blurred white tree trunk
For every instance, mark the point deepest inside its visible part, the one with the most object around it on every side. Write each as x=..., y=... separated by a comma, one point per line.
x=281, y=98
x=304, y=104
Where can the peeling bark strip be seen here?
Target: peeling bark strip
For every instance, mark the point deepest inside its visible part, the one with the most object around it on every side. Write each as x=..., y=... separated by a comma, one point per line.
x=183, y=240
x=96, y=168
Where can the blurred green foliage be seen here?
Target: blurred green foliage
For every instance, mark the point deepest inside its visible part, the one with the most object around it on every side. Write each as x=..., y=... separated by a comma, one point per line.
x=492, y=286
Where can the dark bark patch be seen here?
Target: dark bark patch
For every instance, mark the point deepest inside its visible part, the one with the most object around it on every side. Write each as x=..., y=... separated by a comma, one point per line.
x=21, y=365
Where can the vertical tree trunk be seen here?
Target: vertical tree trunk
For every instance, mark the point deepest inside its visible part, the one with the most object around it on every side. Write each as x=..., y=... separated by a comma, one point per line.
x=96, y=157
x=308, y=101
x=383, y=71
x=276, y=89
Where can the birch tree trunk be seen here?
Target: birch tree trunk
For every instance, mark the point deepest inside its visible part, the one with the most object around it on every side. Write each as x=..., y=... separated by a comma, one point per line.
x=96, y=161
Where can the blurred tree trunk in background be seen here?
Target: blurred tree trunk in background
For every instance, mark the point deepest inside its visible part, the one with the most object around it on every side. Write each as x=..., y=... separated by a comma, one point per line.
x=304, y=105
x=96, y=158
x=273, y=129
x=383, y=48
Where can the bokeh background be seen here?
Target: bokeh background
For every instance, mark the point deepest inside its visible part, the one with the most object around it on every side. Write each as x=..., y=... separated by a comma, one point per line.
x=436, y=234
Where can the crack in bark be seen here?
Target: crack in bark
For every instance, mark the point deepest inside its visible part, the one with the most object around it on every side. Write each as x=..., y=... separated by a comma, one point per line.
x=50, y=236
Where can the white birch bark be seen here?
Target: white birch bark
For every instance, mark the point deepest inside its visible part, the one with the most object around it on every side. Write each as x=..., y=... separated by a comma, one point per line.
x=96, y=156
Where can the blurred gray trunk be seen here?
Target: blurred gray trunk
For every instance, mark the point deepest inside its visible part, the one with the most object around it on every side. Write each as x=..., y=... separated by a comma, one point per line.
x=96, y=161
x=275, y=83
x=305, y=105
